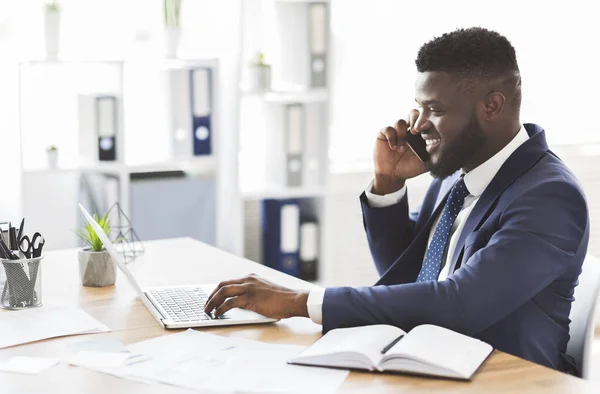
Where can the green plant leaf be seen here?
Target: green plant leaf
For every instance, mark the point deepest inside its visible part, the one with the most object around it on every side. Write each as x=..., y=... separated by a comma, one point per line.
x=89, y=236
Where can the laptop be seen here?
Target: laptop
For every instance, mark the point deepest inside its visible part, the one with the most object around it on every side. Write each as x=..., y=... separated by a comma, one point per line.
x=176, y=306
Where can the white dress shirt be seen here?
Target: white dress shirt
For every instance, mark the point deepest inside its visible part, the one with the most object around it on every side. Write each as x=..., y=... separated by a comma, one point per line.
x=476, y=181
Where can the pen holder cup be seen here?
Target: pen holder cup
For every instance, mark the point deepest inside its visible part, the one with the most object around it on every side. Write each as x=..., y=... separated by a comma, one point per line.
x=20, y=283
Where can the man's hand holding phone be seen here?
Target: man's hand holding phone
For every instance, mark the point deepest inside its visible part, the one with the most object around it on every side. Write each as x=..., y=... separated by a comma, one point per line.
x=396, y=161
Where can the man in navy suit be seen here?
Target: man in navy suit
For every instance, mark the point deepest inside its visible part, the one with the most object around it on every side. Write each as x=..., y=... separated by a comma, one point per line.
x=494, y=250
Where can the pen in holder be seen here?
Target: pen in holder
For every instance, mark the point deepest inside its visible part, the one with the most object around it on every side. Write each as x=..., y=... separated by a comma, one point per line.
x=20, y=283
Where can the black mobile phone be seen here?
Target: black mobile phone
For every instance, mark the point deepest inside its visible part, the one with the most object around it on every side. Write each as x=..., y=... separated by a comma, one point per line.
x=417, y=144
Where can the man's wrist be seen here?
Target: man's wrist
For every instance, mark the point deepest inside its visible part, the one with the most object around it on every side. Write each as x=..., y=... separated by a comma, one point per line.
x=300, y=304
x=385, y=184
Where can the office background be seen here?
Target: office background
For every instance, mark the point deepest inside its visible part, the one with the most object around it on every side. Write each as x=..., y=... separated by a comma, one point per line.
x=370, y=48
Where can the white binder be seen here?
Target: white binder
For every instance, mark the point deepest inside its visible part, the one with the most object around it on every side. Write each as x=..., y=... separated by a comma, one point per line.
x=180, y=119
x=309, y=251
x=290, y=225
x=98, y=127
x=318, y=44
x=294, y=120
x=290, y=238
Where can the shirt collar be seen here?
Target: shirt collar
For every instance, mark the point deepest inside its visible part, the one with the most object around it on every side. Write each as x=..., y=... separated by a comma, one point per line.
x=480, y=177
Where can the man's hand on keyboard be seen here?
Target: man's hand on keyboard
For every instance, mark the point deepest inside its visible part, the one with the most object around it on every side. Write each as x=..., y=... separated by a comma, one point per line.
x=259, y=295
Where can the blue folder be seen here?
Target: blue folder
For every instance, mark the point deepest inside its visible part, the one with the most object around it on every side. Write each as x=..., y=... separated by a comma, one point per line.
x=281, y=235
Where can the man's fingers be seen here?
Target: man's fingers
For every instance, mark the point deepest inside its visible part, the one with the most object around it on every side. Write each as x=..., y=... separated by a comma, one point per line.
x=226, y=283
x=222, y=294
x=389, y=134
x=411, y=120
x=236, y=302
x=401, y=129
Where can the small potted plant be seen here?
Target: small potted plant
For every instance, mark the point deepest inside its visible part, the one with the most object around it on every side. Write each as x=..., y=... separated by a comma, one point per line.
x=172, y=13
x=52, y=28
x=96, y=267
x=259, y=74
x=52, y=156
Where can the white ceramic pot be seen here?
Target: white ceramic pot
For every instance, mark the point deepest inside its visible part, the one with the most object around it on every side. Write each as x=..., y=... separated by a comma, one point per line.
x=52, y=33
x=172, y=38
x=259, y=78
x=96, y=269
x=52, y=156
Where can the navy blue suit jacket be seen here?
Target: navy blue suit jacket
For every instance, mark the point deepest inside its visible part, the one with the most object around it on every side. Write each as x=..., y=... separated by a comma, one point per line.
x=518, y=259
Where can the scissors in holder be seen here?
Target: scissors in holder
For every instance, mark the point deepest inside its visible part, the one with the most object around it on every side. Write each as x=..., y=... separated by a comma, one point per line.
x=31, y=248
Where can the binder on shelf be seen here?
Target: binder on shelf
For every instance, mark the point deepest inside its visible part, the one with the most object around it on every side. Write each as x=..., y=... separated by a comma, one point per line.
x=190, y=103
x=294, y=130
x=281, y=235
x=106, y=123
x=315, y=130
x=178, y=101
x=317, y=20
x=309, y=250
x=201, y=110
x=98, y=127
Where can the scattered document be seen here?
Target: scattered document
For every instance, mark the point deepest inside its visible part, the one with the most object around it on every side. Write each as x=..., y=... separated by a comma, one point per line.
x=31, y=325
x=29, y=365
x=101, y=345
x=92, y=359
x=213, y=363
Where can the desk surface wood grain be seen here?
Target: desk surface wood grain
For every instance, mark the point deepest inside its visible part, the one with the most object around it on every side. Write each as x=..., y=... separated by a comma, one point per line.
x=185, y=261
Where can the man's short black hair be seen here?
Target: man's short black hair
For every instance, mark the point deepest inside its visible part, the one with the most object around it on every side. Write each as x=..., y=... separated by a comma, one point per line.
x=473, y=52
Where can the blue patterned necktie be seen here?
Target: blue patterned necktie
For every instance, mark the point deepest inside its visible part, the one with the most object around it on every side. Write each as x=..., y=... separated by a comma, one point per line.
x=435, y=254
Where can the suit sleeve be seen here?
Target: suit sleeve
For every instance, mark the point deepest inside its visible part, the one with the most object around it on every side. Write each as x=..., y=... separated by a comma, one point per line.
x=539, y=234
x=390, y=230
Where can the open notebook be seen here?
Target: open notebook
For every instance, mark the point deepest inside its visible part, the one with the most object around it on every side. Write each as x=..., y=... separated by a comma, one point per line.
x=426, y=349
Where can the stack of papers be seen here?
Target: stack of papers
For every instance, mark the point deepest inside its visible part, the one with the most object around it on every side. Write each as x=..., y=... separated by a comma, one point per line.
x=201, y=361
x=43, y=323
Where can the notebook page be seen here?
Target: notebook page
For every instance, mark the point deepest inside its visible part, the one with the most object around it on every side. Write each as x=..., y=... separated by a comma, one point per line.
x=368, y=340
x=444, y=348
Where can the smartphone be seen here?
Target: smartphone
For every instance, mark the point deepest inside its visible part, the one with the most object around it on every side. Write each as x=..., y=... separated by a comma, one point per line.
x=417, y=144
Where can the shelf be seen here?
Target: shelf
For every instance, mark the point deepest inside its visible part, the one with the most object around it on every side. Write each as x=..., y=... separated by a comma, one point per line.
x=280, y=192
x=159, y=63
x=302, y=1
x=300, y=96
x=44, y=62
x=174, y=63
x=197, y=165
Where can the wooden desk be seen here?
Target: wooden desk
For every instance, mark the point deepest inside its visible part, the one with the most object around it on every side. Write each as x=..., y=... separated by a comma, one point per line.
x=185, y=261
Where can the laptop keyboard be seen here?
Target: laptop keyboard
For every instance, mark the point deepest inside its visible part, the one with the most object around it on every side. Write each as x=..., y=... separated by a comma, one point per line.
x=184, y=304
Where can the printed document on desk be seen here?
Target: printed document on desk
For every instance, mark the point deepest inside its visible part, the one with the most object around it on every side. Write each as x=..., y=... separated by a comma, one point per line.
x=42, y=323
x=213, y=363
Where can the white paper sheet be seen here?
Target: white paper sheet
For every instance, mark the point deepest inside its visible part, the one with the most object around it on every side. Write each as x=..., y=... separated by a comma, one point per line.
x=214, y=363
x=18, y=327
x=100, y=345
x=29, y=365
x=92, y=359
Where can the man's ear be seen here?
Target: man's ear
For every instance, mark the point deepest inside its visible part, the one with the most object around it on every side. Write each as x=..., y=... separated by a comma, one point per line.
x=493, y=105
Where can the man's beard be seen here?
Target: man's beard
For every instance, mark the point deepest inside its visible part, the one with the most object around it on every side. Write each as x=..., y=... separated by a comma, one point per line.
x=457, y=152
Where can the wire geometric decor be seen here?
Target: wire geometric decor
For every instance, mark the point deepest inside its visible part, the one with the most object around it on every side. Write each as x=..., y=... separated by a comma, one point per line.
x=122, y=234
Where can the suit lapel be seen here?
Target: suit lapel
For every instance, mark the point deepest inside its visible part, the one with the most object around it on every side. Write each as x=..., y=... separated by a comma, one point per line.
x=519, y=162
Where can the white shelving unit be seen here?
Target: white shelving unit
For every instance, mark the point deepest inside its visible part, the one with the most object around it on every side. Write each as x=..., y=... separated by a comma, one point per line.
x=280, y=30
x=48, y=197
x=315, y=95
